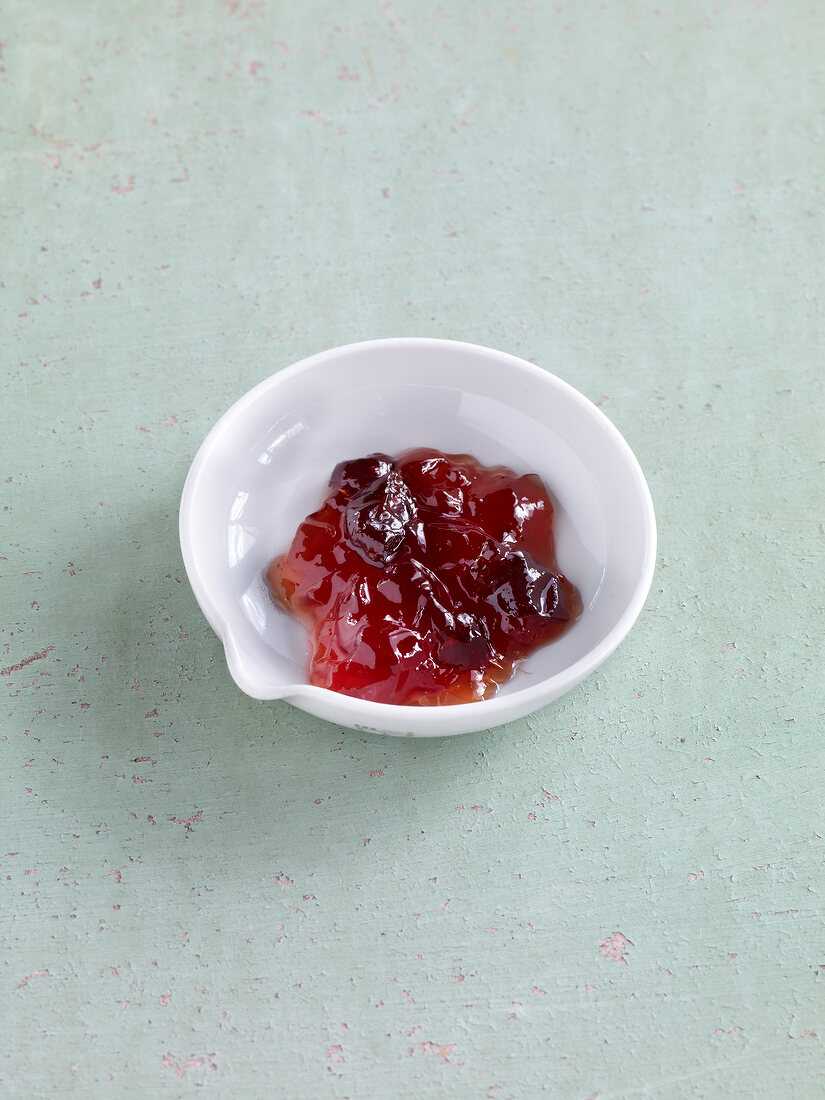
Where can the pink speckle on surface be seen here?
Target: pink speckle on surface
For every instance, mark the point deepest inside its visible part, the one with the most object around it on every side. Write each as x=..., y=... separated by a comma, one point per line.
x=442, y=1050
x=335, y=1053
x=537, y=991
x=283, y=880
x=728, y=647
x=165, y=998
x=808, y=1033
x=614, y=947
x=30, y=977
x=695, y=876
x=27, y=661
x=168, y=1061
x=377, y=774
x=169, y=421
x=194, y=819
x=121, y=188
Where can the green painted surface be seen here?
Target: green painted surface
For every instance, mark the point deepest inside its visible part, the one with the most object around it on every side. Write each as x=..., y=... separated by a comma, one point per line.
x=621, y=896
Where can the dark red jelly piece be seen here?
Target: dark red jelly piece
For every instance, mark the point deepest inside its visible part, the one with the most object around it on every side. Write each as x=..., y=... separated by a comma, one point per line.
x=425, y=578
x=378, y=518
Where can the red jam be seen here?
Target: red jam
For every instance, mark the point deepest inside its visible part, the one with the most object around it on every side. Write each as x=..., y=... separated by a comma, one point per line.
x=423, y=579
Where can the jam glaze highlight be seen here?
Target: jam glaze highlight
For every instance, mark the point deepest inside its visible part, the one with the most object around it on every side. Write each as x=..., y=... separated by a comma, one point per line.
x=424, y=579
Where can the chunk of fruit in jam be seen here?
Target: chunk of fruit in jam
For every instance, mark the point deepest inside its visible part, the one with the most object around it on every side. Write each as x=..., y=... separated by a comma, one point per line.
x=424, y=579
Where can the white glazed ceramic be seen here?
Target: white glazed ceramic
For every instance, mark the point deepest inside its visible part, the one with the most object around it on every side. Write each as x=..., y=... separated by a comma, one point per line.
x=265, y=464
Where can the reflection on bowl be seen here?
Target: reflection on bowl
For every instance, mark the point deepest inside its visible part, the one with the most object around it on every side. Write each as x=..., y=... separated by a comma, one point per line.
x=265, y=464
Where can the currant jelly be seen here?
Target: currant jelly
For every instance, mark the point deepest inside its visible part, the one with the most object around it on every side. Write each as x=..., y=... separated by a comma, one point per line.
x=424, y=579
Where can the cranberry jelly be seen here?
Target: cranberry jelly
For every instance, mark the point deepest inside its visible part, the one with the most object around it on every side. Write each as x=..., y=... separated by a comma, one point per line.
x=423, y=579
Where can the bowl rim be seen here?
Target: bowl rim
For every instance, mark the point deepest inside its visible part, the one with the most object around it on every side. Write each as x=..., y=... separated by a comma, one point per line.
x=364, y=713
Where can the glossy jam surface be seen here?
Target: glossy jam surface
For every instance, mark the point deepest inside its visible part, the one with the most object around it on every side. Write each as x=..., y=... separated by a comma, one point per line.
x=423, y=579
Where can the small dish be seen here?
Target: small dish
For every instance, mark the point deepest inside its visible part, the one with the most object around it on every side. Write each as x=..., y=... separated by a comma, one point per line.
x=265, y=465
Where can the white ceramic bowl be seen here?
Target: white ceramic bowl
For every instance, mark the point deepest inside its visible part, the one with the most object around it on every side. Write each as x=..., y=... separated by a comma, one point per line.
x=264, y=467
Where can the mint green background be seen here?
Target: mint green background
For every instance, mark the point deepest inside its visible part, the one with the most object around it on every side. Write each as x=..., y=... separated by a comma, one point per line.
x=208, y=893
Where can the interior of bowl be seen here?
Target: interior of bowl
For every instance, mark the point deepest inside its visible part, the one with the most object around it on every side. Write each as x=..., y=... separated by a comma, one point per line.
x=265, y=467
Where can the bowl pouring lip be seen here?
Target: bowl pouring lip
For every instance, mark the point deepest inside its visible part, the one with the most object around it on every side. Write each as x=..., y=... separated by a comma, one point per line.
x=354, y=711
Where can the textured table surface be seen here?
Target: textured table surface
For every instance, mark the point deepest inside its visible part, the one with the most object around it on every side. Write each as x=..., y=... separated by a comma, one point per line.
x=621, y=896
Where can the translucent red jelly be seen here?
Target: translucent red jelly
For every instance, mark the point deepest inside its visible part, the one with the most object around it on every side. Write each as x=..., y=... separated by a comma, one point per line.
x=423, y=579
